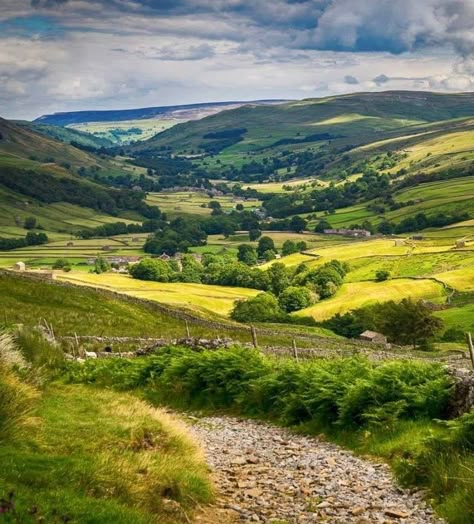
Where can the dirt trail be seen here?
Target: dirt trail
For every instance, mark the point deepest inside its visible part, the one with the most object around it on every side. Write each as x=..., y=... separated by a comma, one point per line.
x=265, y=474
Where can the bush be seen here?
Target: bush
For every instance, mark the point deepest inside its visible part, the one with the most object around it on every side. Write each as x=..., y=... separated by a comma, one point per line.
x=348, y=392
x=382, y=276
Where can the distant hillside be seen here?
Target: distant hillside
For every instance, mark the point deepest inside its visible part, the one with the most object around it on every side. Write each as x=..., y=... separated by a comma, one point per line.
x=68, y=135
x=26, y=143
x=346, y=120
x=181, y=112
x=38, y=172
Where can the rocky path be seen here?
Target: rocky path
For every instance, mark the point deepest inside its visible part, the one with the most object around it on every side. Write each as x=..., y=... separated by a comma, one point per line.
x=265, y=474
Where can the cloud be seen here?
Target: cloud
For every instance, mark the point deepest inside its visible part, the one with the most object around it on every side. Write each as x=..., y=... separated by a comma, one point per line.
x=47, y=3
x=174, y=52
x=79, y=54
x=351, y=80
x=381, y=80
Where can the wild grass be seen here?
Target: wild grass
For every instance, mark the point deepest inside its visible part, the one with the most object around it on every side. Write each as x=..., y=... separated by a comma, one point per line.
x=17, y=398
x=79, y=454
x=104, y=457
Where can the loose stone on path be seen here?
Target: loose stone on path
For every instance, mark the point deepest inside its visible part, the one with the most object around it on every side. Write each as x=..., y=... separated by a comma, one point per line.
x=267, y=474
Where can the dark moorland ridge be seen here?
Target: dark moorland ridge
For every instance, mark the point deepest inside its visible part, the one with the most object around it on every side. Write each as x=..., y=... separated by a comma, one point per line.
x=78, y=117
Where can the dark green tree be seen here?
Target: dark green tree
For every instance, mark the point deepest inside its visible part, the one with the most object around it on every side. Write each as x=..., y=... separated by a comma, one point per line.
x=247, y=254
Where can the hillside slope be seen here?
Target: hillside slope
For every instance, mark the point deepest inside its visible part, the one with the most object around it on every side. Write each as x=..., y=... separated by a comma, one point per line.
x=37, y=171
x=349, y=119
x=68, y=135
x=183, y=112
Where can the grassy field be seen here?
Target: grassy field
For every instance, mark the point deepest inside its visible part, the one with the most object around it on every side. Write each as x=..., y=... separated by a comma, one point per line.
x=349, y=251
x=207, y=299
x=279, y=187
x=358, y=294
x=430, y=198
x=188, y=203
x=123, y=132
x=98, y=456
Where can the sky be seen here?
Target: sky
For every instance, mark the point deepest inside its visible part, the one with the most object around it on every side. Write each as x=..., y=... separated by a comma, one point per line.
x=68, y=55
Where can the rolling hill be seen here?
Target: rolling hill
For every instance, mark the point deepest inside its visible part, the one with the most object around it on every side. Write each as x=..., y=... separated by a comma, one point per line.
x=183, y=112
x=347, y=120
x=69, y=135
x=52, y=181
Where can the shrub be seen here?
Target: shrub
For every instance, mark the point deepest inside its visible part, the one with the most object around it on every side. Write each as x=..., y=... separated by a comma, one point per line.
x=382, y=276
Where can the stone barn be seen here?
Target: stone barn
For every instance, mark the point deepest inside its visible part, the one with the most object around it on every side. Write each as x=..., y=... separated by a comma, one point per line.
x=19, y=266
x=373, y=337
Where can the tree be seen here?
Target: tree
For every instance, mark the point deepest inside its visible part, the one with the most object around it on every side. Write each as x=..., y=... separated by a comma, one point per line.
x=294, y=298
x=279, y=277
x=321, y=226
x=247, y=254
x=382, y=275
x=101, y=265
x=61, y=263
x=213, y=204
x=36, y=239
x=386, y=228
x=254, y=234
x=297, y=224
x=301, y=246
x=30, y=223
x=151, y=269
x=408, y=322
x=262, y=308
x=269, y=255
x=239, y=207
x=265, y=244
x=288, y=248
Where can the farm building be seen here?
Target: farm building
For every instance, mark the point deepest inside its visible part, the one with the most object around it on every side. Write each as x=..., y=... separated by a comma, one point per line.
x=460, y=244
x=70, y=244
x=356, y=233
x=19, y=266
x=123, y=260
x=399, y=242
x=417, y=237
x=374, y=337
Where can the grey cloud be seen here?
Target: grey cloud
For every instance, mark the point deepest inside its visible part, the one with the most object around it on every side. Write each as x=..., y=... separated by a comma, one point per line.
x=173, y=53
x=381, y=80
x=47, y=3
x=351, y=80
x=394, y=26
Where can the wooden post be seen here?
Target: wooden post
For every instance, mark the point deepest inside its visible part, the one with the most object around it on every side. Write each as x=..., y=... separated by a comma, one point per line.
x=254, y=337
x=188, y=332
x=471, y=347
x=295, y=351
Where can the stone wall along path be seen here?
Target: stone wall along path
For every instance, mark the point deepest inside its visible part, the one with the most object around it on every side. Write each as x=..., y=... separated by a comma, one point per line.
x=267, y=474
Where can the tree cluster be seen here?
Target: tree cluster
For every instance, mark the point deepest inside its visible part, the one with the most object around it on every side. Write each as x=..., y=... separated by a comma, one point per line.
x=406, y=323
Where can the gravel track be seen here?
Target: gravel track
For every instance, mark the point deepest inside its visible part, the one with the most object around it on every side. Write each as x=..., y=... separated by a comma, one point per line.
x=267, y=474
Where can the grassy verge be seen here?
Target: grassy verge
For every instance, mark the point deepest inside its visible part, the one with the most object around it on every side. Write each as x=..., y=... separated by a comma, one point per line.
x=392, y=410
x=72, y=453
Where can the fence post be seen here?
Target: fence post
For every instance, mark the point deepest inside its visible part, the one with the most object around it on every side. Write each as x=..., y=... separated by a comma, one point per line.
x=254, y=336
x=188, y=332
x=295, y=351
x=471, y=347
